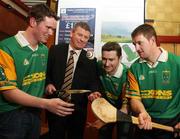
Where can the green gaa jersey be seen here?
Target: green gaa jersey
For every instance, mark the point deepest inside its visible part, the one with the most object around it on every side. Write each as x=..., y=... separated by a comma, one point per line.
x=113, y=85
x=157, y=87
x=21, y=67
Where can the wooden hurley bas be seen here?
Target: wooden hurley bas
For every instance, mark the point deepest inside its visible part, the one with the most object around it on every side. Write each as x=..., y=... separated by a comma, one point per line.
x=108, y=114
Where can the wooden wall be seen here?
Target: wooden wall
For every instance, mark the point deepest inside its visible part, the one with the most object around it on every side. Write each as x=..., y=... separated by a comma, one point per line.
x=11, y=21
x=170, y=43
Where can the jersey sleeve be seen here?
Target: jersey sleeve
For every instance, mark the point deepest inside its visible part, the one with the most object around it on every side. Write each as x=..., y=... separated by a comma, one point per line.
x=7, y=71
x=132, y=88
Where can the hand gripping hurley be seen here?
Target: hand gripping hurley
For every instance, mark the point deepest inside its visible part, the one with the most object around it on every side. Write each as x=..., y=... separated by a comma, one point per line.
x=109, y=114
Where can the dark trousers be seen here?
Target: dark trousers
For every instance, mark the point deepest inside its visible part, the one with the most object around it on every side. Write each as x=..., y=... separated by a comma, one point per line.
x=152, y=134
x=20, y=124
x=68, y=127
x=123, y=131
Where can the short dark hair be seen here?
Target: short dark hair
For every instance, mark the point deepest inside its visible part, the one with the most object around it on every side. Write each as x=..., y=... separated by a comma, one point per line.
x=83, y=25
x=112, y=46
x=147, y=30
x=40, y=11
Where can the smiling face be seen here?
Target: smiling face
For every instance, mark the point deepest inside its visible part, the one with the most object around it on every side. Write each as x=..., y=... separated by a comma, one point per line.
x=144, y=46
x=79, y=38
x=110, y=61
x=144, y=38
x=43, y=29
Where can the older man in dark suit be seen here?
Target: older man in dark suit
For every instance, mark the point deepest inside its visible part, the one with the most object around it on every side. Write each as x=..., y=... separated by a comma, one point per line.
x=83, y=77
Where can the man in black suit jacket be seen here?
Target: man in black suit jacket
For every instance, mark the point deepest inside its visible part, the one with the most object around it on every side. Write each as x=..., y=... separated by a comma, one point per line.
x=84, y=77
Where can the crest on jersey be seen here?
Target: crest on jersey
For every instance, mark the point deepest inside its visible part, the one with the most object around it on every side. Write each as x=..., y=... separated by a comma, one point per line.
x=166, y=76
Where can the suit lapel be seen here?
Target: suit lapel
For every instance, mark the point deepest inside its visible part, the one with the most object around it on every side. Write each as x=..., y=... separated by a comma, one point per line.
x=62, y=58
x=80, y=65
x=64, y=55
x=82, y=59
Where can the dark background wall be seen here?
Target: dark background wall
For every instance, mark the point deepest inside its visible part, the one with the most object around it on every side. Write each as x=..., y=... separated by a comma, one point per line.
x=10, y=21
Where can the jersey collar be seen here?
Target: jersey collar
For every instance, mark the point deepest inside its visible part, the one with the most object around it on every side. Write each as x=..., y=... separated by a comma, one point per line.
x=22, y=40
x=119, y=71
x=162, y=58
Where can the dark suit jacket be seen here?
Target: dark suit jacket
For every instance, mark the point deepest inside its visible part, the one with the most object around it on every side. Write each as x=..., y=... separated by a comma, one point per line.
x=85, y=75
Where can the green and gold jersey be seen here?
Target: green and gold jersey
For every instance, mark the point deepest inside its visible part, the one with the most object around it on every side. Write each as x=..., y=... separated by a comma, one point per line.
x=112, y=85
x=21, y=67
x=157, y=87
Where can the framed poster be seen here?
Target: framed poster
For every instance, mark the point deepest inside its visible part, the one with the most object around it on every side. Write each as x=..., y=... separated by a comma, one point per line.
x=112, y=20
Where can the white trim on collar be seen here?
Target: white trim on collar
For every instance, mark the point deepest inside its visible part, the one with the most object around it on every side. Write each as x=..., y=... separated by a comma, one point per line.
x=119, y=71
x=164, y=55
x=23, y=41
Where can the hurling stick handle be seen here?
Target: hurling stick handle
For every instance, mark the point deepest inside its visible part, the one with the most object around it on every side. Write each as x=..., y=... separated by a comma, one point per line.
x=154, y=125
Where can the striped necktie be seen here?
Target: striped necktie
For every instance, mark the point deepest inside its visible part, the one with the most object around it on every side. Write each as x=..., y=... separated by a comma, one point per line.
x=69, y=72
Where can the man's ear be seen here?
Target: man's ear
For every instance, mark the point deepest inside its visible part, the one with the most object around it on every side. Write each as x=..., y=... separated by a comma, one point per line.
x=32, y=22
x=153, y=39
x=120, y=58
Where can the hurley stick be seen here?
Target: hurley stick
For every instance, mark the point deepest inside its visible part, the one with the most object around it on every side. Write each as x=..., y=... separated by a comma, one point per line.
x=66, y=94
x=108, y=114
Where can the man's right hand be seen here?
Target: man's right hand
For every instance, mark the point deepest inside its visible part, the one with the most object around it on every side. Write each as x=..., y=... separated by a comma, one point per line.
x=94, y=96
x=145, y=121
x=59, y=107
x=177, y=127
x=50, y=88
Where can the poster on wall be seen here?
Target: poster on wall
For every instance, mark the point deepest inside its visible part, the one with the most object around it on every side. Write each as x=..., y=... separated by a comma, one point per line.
x=108, y=21
x=119, y=27
x=69, y=17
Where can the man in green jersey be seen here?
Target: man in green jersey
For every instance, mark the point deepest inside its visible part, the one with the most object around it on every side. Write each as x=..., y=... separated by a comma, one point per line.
x=153, y=85
x=112, y=74
x=23, y=59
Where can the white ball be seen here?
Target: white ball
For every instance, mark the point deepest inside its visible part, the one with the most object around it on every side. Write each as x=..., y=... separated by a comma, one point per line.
x=90, y=55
